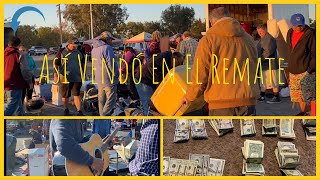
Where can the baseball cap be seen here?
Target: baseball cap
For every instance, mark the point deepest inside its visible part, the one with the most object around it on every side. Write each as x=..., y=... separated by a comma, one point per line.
x=106, y=34
x=297, y=19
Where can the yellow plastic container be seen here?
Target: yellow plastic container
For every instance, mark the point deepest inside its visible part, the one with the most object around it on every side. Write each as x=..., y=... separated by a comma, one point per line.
x=168, y=96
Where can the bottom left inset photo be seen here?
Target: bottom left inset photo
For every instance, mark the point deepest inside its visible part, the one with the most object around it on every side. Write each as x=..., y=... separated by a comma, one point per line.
x=83, y=147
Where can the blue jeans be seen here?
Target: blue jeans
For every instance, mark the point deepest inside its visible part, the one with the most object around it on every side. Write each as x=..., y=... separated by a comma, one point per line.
x=145, y=92
x=14, y=103
x=107, y=97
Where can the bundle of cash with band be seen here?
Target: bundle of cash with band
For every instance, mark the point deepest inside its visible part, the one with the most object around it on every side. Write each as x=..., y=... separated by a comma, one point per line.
x=309, y=126
x=252, y=169
x=291, y=172
x=221, y=126
x=198, y=130
x=202, y=163
x=166, y=165
x=286, y=128
x=182, y=130
x=179, y=167
x=247, y=127
x=253, y=154
x=269, y=127
x=253, y=151
x=287, y=155
x=216, y=167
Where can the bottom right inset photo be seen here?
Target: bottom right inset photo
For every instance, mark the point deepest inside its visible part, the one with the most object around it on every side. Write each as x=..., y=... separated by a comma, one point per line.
x=239, y=147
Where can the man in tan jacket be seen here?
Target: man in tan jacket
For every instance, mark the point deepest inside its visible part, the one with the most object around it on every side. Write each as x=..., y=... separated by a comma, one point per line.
x=225, y=55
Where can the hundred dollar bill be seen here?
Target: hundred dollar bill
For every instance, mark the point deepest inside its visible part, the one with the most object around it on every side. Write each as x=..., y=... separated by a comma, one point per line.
x=166, y=165
x=199, y=159
x=286, y=128
x=247, y=127
x=182, y=124
x=216, y=167
x=181, y=135
x=198, y=130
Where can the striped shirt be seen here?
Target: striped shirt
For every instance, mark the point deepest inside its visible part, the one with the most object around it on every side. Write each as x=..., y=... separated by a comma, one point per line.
x=146, y=161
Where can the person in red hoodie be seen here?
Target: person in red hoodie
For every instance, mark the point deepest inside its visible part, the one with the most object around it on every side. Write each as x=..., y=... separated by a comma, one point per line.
x=17, y=76
x=301, y=43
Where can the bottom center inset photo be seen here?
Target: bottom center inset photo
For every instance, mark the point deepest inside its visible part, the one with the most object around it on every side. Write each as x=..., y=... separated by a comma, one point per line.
x=235, y=147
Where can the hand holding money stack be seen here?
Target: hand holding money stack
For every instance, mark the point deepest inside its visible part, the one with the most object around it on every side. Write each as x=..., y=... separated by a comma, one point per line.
x=309, y=127
x=221, y=126
x=286, y=129
x=182, y=130
x=198, y=130
x=287, y=155
x=247, y=127
x=253, y=155
x=269, y=127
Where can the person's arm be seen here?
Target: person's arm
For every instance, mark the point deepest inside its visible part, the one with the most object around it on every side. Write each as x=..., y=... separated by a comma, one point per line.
x=312, y=46
x=269, y=47
x=67, y=145
x=58, y=56
x=146, y=161
x=111, y=59
x=25, y=69
x=202, y=71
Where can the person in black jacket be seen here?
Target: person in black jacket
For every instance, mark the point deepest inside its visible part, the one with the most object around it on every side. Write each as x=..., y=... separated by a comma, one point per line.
x=301, y=41
x=147, y=86
x=267, y=48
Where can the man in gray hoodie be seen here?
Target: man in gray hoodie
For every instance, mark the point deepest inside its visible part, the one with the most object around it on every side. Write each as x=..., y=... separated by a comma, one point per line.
x=104, y=61
x=65, y=136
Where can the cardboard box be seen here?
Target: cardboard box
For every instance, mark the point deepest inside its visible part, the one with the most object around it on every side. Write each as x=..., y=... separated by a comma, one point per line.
x=168, y=96
x=56, y=97
x=38, y=161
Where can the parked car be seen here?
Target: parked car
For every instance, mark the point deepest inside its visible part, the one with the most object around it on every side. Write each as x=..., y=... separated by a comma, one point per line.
x=53, y=50
x=37, y=50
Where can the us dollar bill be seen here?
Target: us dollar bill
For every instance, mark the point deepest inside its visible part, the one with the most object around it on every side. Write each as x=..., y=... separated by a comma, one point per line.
x=166, y=165
x=198, y=130
x=247, y=127
x=253, y=151
x=269, y=127
x=216, y=167
x=286, y=128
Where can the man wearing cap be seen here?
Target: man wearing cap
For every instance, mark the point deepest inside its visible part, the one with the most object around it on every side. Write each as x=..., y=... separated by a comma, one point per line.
x=225, y=94
x=301, y=41
x=69, y=66
x=188, y=47
x=103, y=59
